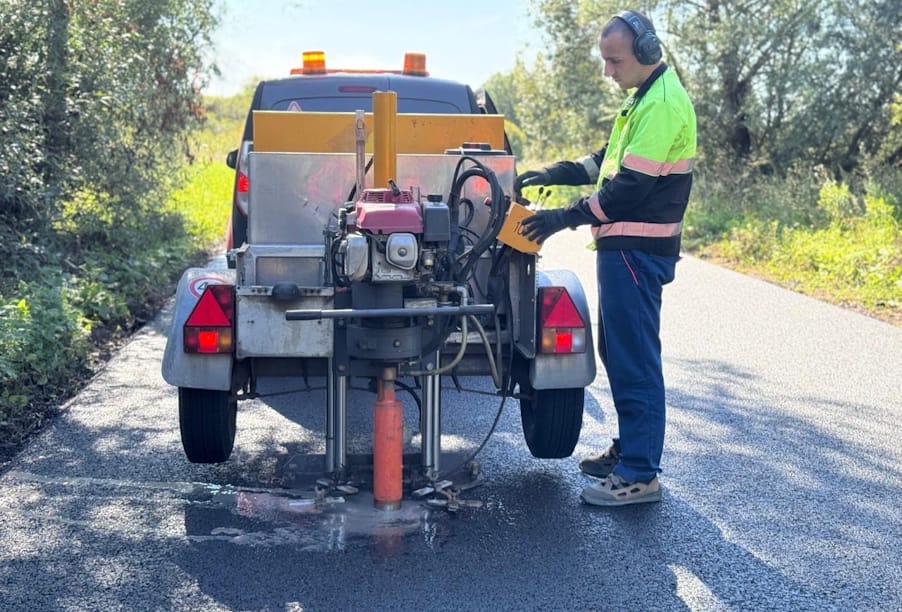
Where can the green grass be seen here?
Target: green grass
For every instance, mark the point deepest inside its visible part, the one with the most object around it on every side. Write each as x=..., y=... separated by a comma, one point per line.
x=204, y=198
x=204, y=202
x=805, y=231
x=850, y=255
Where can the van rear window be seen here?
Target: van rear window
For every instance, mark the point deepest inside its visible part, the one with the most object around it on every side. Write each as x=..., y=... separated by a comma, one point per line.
x=350, y=104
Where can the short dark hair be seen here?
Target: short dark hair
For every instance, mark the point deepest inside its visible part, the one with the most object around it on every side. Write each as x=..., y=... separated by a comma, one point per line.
x=616, y=24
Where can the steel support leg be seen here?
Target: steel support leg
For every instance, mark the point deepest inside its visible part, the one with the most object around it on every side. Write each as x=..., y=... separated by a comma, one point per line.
x=336, y=423
x=431, y=425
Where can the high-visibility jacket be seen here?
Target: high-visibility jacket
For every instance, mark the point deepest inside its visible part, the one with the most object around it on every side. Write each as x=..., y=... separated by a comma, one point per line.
x=644, y=175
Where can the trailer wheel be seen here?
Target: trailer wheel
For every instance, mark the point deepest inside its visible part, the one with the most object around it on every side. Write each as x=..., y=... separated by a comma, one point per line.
x=552, y=420
x=207, y=424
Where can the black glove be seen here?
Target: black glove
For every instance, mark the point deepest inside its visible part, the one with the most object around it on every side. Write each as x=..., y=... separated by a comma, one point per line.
x=544, y=223
x=532, y=178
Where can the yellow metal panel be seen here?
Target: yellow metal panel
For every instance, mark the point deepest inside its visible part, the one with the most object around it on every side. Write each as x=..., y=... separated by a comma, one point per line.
x=289, y=131
x=309, y=132
x=424, y=134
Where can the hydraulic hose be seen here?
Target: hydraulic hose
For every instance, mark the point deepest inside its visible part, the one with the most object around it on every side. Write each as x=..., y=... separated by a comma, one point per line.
x=496, y=219
x=488, y=350
x=463, y=344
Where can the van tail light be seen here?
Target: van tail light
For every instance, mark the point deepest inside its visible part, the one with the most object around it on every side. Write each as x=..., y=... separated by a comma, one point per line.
x=209, y=326
x=561, y=327
x=242, y=182
x=243, y=185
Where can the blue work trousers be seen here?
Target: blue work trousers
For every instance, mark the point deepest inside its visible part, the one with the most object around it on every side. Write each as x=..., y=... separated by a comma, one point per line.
x=629, y=344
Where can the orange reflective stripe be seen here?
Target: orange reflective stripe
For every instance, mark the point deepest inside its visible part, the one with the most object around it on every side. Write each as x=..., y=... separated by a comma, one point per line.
x=656, y=168
x=638, y=229
x=595, y=207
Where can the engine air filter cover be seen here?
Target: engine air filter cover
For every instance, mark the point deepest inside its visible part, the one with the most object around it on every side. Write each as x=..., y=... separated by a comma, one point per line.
x=382, y=212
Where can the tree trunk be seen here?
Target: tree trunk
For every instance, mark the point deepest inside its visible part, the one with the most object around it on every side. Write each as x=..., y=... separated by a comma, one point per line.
x=735, y=93
x=55, y=108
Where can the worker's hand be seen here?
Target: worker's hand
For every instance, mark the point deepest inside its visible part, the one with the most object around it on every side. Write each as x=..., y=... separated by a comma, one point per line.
x=544, y=223
x=532, y=178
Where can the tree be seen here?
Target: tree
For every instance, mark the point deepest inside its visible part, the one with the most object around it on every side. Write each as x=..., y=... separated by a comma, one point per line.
x=503, y=89
x=95, y=100
x=773, y=81
x=564, y=104
x=789, y=80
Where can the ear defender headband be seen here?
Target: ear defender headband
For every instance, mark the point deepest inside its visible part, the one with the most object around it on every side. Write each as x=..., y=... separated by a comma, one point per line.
x=646, y=46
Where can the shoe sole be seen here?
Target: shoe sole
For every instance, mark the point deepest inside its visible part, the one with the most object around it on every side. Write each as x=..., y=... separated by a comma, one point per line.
x=609, y=503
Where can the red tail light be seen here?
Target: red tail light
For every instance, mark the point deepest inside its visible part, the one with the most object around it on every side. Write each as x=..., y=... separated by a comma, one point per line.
x=209, y=326
x=242, y=182
x=561, y=327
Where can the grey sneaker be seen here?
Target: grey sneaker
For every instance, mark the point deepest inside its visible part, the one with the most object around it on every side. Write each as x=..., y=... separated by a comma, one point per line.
x=601, y=465
x=615, y=491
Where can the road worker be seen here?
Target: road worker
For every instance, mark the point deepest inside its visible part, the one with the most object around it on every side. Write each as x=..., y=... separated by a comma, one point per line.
x=642, y=182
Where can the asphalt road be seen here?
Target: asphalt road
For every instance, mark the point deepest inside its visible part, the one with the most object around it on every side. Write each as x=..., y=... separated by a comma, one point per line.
x=782, y=476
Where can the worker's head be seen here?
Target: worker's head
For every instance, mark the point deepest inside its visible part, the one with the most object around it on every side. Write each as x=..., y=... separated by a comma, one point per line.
x=630, y=49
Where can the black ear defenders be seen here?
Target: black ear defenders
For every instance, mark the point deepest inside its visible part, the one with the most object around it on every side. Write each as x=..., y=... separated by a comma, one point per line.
x=646, y=46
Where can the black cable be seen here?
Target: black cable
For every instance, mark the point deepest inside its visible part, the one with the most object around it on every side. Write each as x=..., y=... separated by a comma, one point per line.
x=472, y=456
x=496, y=220
x=471, y=212
x=499, y=206
x=403, y=386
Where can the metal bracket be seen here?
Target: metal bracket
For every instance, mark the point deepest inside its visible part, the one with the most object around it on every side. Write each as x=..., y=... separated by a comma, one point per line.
x=327, y=490
x=447, y=496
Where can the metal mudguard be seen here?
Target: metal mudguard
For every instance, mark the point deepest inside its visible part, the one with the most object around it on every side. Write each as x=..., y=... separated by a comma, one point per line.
x=183, y=369
x=565, y=371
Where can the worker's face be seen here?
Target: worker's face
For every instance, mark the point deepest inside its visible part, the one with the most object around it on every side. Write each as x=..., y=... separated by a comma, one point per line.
x=619, y=62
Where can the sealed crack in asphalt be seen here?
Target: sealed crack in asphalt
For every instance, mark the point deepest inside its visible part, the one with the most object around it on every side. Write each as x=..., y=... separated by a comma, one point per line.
x=312, y=520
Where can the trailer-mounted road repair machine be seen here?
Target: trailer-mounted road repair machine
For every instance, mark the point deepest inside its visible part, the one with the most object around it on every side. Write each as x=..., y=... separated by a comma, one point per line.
x=374, y=236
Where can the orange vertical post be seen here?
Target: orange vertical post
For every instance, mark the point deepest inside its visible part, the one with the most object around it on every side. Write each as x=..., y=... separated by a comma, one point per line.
x=385, y=138
x=388, y=442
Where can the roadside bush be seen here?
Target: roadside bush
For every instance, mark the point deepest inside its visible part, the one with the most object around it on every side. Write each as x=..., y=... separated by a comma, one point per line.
x=96, y=102
x=853, y=255
x=43, y=349
x=725, y=198
x=837, y=200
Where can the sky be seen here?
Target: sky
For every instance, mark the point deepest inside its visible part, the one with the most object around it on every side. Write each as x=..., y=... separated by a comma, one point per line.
x=464, y=40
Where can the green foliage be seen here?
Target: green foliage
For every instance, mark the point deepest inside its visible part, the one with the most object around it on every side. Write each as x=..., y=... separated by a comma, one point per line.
x=22, y=89
x=96, y=102
x=563, y=103
x=204, y=200
x=853, y=257
x=724, y=200
x=503, y=91
x=94, y=96
x=516, y=137
x=43, y=344
x=837, y=200
x=855, y=260
x=774, y=83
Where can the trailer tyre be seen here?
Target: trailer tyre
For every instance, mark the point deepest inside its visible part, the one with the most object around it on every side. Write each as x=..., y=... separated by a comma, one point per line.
x=207, y=424
x=552, y=420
